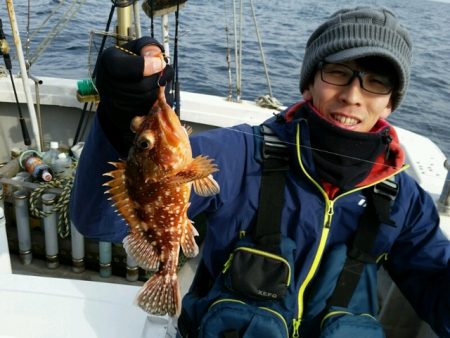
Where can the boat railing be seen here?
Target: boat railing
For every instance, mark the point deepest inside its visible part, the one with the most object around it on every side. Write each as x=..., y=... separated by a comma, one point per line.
x=444, y=198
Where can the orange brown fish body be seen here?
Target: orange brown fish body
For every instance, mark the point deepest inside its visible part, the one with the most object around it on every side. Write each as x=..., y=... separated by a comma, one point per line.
x=151, y=191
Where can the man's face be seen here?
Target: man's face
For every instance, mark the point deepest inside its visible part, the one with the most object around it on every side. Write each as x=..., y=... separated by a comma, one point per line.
x=349, y=106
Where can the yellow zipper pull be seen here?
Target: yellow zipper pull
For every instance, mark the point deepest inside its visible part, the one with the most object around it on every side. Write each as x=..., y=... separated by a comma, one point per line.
x=330, y=213
x=296, y=325
x=227, y=264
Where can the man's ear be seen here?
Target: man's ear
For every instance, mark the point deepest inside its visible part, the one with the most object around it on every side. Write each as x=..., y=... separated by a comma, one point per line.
x=307, y=95
x=387, y=110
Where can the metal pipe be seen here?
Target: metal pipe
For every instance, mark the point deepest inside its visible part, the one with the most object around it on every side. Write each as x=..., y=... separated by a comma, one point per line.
x=38, y=82
x=2, y=205
x=165, y=34
x=123, y=23
x=132, y=269
x=50, y=230
x=23, y=73
x=444, y=199
x=137, y=19
x=77, y=241
x=5, y=261
x=23, y=226
x=105, y=257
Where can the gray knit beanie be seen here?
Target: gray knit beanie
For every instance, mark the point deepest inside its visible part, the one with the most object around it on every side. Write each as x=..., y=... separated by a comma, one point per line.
x=355, y=33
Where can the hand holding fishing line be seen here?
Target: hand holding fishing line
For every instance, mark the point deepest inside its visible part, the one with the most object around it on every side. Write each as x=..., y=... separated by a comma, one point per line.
x=153, y=64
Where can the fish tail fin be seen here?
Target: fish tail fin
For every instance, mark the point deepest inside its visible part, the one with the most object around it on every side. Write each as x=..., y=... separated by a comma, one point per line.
x=188, y=244
x=160, y=295
x=141, y=251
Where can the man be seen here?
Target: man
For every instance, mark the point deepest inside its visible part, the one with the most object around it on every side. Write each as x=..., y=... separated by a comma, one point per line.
x=128, y=81
x=354, y=75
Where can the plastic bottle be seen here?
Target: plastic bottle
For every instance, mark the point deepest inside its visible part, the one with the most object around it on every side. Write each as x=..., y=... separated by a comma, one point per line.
x=37, y=168
x=62, y=164
x=51, y=155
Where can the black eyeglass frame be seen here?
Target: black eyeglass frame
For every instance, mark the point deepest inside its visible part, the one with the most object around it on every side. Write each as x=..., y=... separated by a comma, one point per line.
x=356, y=73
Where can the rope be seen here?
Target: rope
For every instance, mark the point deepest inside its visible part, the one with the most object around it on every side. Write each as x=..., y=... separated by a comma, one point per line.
x=268, y=101
x=61, y=206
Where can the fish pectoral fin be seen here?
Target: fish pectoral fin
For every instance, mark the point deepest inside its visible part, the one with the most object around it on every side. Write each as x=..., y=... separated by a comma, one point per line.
x=188, y=129
x=187, y=242
x=206, y=186
x=142, y=251
x=199, y=168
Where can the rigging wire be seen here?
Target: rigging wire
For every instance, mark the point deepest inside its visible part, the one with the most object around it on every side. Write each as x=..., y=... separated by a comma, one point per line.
x=28, y=39
x=45, y=21
x=263, y=59
x=68, y=15
x=241, y=24
x=228, y=55
x=268, y=101
x=176, y=82
x=236, y=55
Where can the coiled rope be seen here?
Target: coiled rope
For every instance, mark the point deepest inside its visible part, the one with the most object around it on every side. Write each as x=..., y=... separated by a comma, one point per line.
x=61, y=206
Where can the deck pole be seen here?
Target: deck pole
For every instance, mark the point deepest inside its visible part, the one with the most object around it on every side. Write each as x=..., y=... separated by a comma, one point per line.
x=5, y=261
x=23, y=226
x=105, y=257
x=50, y=231
x=132, y=269
x=77, y=240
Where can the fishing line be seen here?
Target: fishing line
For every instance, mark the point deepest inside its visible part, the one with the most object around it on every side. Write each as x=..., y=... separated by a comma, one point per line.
x=318, y=150
x=325, y=151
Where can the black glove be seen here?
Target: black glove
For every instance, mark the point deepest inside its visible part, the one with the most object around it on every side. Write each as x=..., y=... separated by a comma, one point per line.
x=166, y=76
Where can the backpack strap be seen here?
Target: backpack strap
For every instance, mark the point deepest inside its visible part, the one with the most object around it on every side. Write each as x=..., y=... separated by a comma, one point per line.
x=271, y=197
x=379, y=201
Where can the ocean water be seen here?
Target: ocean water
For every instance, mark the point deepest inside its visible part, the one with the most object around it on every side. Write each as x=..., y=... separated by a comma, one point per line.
x=284, y=26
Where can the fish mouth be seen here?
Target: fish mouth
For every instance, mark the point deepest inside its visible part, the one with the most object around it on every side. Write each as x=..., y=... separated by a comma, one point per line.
x=171, y=127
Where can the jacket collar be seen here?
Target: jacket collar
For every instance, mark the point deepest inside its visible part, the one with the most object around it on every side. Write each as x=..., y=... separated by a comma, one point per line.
x=284, y=126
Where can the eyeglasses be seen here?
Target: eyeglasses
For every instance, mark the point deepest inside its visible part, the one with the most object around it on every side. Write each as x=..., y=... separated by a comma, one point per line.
x=341, y=75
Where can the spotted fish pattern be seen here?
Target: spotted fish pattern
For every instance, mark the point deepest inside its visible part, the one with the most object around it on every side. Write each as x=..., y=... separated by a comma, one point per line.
x=151, y=191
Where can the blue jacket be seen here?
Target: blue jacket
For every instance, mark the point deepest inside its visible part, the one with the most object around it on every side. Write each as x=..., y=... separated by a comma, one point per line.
x=417, y=251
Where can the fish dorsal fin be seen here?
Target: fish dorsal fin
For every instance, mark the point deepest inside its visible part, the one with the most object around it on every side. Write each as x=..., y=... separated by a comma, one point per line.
x=119, y=194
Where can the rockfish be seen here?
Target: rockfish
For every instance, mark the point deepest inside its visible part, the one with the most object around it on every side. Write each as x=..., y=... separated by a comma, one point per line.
x=151, y=191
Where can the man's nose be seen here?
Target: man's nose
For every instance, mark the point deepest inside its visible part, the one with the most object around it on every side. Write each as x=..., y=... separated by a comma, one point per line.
x=352, y=93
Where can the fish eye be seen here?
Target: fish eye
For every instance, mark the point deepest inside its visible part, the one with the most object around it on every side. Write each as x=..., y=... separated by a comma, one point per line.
x=144, y=144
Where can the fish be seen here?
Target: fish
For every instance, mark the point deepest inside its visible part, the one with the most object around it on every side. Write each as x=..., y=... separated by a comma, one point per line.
x=151, y=190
